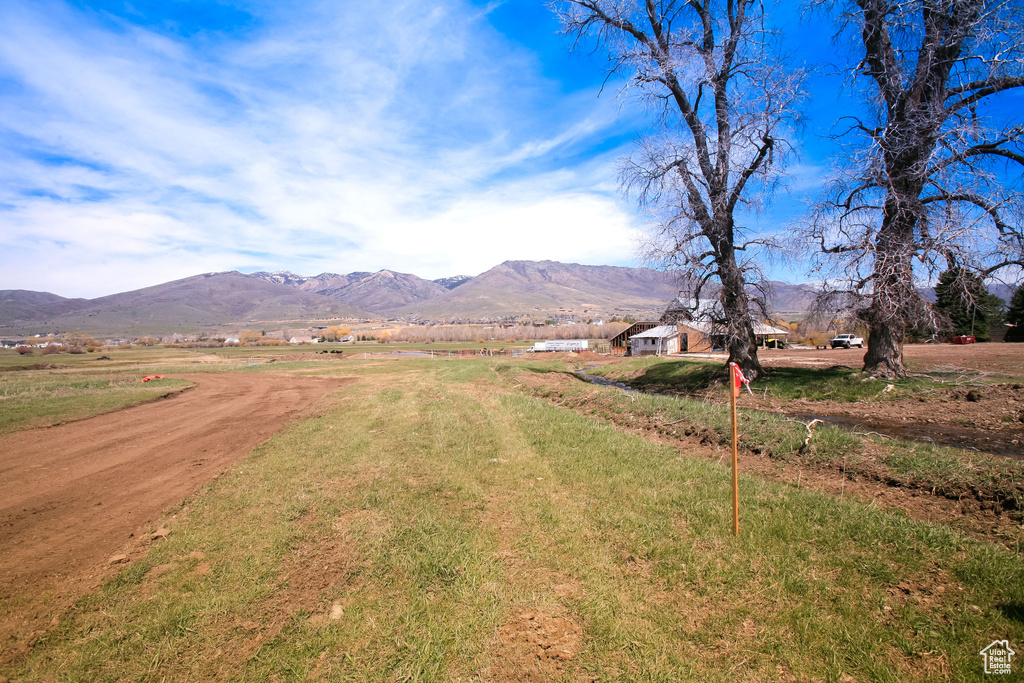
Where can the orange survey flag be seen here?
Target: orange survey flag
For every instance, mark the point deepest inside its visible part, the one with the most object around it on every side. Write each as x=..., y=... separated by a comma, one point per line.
x=738, y=380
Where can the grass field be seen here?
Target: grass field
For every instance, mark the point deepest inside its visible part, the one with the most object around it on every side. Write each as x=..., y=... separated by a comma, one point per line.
x=921, y=466
x=32, y=399
x=686, y=376
x=437, y=523
x=41, y=391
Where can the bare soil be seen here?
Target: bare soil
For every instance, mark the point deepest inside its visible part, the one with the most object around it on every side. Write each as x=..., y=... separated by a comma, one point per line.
x=999, y=359
x=975, y=403
x=81, y=498
x=533, y=647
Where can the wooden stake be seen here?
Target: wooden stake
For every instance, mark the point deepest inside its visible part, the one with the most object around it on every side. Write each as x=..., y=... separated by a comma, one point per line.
x=733, y=392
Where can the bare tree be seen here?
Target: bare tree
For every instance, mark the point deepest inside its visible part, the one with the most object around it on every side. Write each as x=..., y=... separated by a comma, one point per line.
x=931, y=180
x=713, y=71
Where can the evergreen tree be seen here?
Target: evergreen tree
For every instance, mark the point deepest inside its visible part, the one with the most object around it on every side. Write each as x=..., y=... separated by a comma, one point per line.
x=1015, y=313
x=963, y=299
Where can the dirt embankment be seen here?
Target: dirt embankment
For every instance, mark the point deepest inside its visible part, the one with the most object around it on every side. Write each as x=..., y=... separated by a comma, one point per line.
x=978, y=403
x=1006, y=360
x=979, y=511
x=76, y=494
x=967, y=405
x=989, y=418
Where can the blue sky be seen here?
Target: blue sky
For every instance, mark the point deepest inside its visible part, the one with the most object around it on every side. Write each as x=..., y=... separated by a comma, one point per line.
x=146, y=141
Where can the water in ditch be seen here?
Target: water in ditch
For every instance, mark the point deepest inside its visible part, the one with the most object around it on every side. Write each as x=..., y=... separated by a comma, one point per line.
x=939, y=435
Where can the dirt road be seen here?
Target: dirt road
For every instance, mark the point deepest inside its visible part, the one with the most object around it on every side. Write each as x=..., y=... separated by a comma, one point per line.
x=74, y=495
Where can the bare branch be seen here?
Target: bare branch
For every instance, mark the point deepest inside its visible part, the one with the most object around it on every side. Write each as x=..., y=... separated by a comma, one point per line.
x=934, y=180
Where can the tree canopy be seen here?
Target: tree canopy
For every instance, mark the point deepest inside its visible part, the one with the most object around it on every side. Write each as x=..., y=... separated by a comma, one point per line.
x=966, y=305
x=724, y=100
x=930, y=179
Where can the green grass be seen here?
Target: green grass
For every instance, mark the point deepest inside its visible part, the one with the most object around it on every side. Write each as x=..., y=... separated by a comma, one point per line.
x=32, y=398
x=816, y=384
x=434, y=506
x=835, y=384
x=944, y=471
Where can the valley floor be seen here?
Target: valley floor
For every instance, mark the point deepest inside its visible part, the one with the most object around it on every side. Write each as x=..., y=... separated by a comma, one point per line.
x=445, y=520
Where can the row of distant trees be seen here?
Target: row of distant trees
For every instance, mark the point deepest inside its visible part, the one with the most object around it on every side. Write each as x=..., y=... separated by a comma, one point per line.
x=467, y=333
x=928, y=168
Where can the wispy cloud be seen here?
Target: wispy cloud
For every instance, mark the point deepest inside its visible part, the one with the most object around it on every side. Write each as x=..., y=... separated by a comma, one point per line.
x=317, y=136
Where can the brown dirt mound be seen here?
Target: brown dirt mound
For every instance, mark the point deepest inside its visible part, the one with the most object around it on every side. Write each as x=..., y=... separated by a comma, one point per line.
x=34, y=366
x=533, y=647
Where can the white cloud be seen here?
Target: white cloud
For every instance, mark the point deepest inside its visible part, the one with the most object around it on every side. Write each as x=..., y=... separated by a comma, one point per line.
x=326, y=137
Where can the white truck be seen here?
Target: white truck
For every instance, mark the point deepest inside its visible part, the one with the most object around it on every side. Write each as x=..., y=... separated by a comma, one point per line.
x=846, y=341
x=565, y=345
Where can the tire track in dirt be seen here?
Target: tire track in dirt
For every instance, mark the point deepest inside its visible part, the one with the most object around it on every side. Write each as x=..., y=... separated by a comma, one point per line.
x=74, y=494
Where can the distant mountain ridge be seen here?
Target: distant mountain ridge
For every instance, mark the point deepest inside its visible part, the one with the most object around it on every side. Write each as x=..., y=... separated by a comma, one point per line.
x=19, y=304
x=384, y=292
x=513, y=289
x=454, y=281
x=194, y=303
x=549, y=287
x=517, y=288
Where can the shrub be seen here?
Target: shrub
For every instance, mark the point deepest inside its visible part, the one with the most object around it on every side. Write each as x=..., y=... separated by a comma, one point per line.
x=24, y=350
x=52, y=349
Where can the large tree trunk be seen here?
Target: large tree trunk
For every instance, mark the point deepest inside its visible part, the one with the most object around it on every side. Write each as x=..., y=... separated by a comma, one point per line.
x=739, y=332
x=743, y=352
x=895, y=300
x=884, y=357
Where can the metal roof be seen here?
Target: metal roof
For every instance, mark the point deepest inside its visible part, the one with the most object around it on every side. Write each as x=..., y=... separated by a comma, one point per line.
x=759, y=327
x=660, y=331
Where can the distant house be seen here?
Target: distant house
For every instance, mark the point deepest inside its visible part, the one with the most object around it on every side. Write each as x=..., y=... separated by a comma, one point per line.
x=620, y=342
x=681, y=337
x=232, y=340
x=348, y=338
x=663, y=339
x=560, y=345
x=302, y=340
x=703, y=337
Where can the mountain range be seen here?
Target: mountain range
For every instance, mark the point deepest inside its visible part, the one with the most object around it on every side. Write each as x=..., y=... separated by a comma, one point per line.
x=520, y=288
x=541, y=289
x=201, y=302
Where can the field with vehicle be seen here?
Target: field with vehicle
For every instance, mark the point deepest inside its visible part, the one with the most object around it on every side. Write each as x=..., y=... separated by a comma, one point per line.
x=503, y=519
